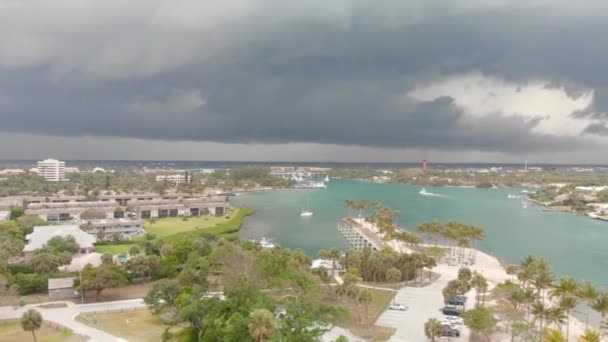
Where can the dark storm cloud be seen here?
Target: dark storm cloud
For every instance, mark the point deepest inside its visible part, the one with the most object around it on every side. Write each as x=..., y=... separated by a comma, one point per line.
x=275, y=72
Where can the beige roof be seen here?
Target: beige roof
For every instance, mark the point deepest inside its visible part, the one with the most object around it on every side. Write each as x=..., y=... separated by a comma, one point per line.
x=61, y=283
x=42, y=234
x=79, y=262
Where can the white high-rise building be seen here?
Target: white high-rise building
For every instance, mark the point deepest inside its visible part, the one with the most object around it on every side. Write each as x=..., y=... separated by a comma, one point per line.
x=52, y=170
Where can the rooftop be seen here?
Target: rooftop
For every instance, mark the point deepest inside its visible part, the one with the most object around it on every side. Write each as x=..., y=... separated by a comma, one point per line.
x=42, y=234
x=61, y=283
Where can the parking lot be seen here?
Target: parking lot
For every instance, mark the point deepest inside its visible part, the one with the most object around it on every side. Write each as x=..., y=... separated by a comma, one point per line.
x=423, y=303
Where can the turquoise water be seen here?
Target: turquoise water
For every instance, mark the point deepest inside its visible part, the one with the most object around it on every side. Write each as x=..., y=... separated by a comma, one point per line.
x=575, y=245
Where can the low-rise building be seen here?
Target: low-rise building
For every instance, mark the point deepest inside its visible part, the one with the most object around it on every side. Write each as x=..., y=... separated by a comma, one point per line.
x=4, y=215
x=42, y=234
x=61, y=288
x=8, y=172
x=107, y=229
x=70, y=211
x=174, y=179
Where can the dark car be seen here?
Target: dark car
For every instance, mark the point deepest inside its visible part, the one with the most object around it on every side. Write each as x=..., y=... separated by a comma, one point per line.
x=449, y=330
x=452, y=310
x=457, y=300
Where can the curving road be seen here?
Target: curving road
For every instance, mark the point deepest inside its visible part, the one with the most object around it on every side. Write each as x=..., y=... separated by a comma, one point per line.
x=66, y=316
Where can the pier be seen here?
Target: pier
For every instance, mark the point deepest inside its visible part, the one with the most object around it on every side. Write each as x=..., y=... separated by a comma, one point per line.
x=360, y=234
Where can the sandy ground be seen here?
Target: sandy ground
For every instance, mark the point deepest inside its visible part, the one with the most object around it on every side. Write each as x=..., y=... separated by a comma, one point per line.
x=426, y=302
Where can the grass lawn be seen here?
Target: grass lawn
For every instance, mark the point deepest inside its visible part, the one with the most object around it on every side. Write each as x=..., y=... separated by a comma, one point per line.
x=380, y=301
x=134, y=326
x=171, y=229
x=174, y=225
x=113, y=249
x=11, y=331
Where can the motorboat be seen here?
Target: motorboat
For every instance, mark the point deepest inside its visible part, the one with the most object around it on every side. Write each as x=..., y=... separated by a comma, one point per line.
x=306, y=213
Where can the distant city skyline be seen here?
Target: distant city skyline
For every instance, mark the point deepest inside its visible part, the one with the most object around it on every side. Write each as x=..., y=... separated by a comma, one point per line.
x=346, y=81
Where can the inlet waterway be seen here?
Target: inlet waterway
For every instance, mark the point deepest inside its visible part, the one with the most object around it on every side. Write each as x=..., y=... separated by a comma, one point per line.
x=574, y=245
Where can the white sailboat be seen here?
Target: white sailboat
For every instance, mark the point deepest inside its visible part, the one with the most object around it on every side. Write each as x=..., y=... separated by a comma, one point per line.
x=326, y=179
x=423, y=192
x=306, y=212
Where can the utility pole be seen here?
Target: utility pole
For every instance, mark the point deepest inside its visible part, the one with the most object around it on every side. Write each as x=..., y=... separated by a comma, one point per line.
x=81, y=287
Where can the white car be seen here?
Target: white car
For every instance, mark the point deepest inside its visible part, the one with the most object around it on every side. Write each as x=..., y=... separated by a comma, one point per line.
x=397, y=307
x=453, y=320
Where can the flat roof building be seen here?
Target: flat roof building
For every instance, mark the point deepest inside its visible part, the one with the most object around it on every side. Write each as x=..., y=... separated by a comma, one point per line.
x=52, y=170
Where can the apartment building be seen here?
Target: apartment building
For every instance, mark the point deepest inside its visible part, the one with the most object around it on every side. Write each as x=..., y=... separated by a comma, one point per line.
x=52, y=170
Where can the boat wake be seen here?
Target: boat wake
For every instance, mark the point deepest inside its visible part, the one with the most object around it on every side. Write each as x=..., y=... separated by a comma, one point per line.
x=423, y=192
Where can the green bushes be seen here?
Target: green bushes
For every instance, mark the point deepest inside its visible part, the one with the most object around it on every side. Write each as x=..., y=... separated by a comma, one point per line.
x=30, y=282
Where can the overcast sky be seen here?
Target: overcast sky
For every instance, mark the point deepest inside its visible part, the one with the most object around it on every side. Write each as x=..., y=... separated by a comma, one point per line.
x=305, y=80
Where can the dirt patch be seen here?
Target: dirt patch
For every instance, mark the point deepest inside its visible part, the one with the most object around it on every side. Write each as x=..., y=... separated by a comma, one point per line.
x=119, y=293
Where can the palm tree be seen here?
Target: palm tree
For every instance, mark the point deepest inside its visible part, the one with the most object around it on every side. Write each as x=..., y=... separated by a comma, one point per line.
x=432, y=329
x=511, y=270
x=556, y=317
x=600, y=304
x=540, y=312
x=393, y=275
x=481, y=286
x=567, y=304
x=590, y=335
x=261, y=324
x=31, y=321
x=365, y=297
x=587, y=292
x=565, y=291
x=553, y=335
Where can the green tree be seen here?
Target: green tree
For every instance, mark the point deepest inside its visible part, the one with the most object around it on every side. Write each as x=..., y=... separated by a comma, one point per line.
x=60, y=244
x=163, y=295
x=261, y=324
x=433, y=329
x=101, y=277
x=31, y=321
x=480, y=320
x=16, y=212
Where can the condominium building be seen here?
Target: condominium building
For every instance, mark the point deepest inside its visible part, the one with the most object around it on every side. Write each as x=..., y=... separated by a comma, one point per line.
x=52, y=170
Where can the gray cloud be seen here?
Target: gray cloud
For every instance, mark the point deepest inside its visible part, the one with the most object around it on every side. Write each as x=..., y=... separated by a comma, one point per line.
x=281, y=72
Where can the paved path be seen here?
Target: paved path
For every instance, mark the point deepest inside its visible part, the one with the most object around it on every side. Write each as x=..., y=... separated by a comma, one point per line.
x=66, y=316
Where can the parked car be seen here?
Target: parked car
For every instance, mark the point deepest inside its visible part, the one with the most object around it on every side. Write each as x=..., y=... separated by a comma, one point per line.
x=452, y=310
x=397, y=307
x=455, y=320
x=448, y=329
x=456, y=300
